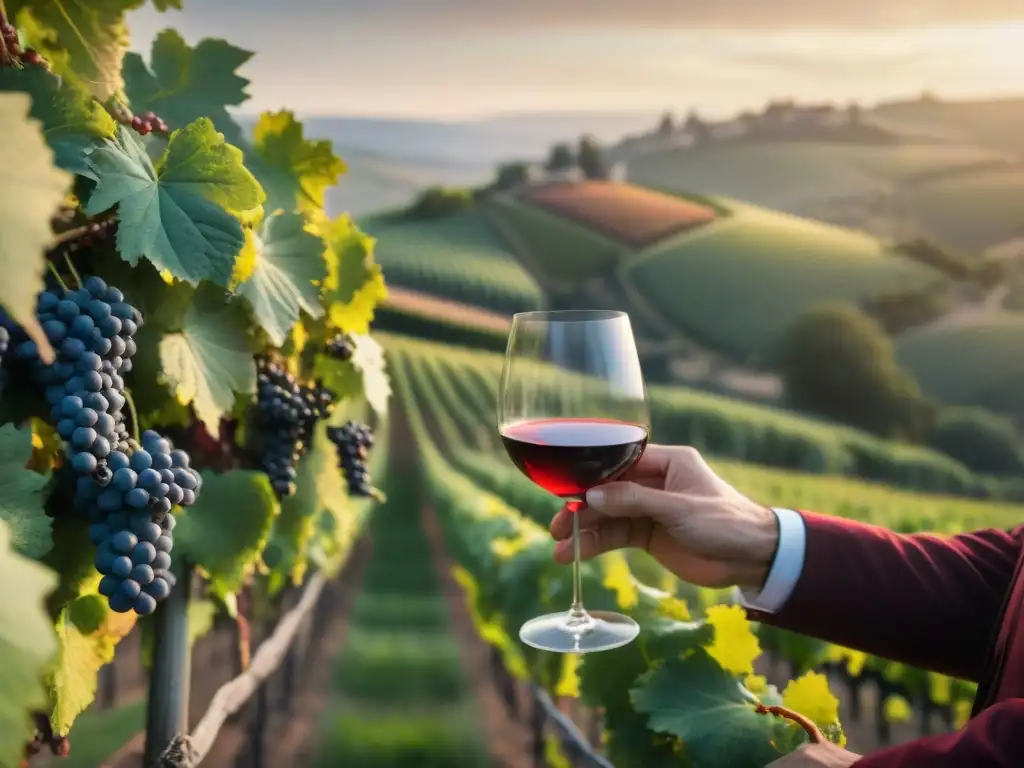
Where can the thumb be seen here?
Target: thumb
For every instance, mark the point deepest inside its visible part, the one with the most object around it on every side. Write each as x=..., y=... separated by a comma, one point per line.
x=624, y=499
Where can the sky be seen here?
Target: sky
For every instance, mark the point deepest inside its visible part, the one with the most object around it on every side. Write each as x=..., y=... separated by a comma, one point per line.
x=462, y=59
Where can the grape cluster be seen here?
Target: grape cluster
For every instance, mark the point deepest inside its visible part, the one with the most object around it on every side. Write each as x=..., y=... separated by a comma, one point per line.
x=14, y=52
x=341, y=347
x=148, y=123
x=126, y=491
x=287, y=412
x=353, y=442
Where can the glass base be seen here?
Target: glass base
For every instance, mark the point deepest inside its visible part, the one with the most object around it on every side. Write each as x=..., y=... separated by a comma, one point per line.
x=566, y=633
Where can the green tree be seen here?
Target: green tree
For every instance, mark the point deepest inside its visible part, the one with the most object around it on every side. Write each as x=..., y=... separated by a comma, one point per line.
x=667, y=125
x=837, y=362
x=511, y=175
x=591, y=159
x=561, y=158
x=979, y=439
x=438, y=202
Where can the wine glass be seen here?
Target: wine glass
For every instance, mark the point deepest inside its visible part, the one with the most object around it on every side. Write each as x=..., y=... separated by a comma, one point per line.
x=572, y=413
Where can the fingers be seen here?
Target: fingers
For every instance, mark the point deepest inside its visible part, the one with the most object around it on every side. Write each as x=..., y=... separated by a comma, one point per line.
x=606, y=536
x=623, y=499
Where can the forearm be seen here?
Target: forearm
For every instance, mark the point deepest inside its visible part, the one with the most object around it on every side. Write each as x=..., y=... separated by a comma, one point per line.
x=993, y=739
x=919, y=599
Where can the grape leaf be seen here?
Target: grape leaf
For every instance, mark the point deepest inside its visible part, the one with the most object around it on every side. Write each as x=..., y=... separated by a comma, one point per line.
x=178, y=214
x=225, y=531
x=184, y=83
x=208, y=361
x=71, y=118
x=289, y=267
x=696, y=700
x=354, y=285
x=364, y=375
x=88, y=38
x=164, y=5
x=295, y=171
x=21, y=495
x=31, y=188
x=27, y=645
x=87, y=632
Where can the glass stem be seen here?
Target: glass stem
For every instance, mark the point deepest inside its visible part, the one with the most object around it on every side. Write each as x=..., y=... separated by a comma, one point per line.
x=576, y=611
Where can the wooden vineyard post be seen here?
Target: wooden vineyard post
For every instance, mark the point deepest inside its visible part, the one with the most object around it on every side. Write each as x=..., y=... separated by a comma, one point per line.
x=167, y=708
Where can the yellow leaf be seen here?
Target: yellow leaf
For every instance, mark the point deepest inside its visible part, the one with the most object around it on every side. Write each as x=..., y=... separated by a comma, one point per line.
x=619, y=579
x=245, y=262
x=553, y=754
x=569, y=682
x=941, y=688
x=47, y=447
x=669, y=582
x=756, y=683
x=675, y=608
x=735, y=646
x=961, y=712
x=508, y=548
x=897, y=709
x=166, y=276
x=810, y=696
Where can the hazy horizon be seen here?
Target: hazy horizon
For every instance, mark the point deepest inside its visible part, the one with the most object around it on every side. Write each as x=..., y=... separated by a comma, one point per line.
x=459, y=60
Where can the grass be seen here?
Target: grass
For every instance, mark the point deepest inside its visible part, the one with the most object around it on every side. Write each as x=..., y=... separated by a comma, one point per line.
x=400, y=740
x=791, y=175
x=971, y=363
x=562, y=252
x=736, y=285
x=457, y=258
x=98, y=733
x=969, y=211
x=399, y=693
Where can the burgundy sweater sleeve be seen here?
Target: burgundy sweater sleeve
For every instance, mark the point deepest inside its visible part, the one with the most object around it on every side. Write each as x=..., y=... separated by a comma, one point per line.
x=921, y=599
x=992, y=739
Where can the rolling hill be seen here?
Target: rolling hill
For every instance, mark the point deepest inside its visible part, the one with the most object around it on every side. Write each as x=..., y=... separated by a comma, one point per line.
x=962, y=196
x=725, y=274
x=457, y=258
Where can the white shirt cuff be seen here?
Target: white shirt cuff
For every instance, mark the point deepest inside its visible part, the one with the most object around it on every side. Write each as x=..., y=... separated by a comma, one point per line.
x=786, y=568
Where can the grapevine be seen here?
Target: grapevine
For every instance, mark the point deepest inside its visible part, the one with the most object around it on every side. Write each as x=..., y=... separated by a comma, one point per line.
x=158, y=265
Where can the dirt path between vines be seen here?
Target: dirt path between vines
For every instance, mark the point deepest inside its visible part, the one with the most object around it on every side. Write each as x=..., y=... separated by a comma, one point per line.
x=508, y=740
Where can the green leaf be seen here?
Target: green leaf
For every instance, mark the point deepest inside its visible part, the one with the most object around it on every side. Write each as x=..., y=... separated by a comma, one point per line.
x=27, y=645
x=225, y=531
x=288, y=548
x=184, y=83
x=177, y=214
x=295, y=171
x=30, y=191
x=697, y=701
x=165, y=5
x=21, y=495
x=71, y=118
x=209, y=360
x=354, y=285
x=87, y=38
x=289, y=267
x=87, y=632
x=364, y=375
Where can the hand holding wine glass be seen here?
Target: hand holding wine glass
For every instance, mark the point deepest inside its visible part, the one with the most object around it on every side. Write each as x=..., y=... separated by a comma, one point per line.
x=573, y=415
x=672, y=504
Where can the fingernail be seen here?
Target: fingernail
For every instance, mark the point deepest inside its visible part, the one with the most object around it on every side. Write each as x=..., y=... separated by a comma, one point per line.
x=595, y=497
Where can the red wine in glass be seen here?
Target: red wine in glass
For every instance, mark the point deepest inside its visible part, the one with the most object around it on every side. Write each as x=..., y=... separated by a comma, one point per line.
x=568, y=457
x=572, y=414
